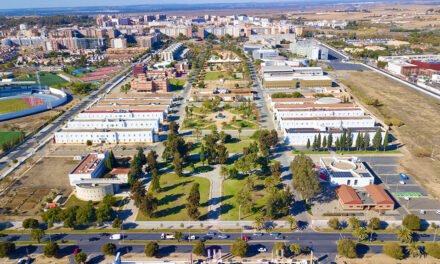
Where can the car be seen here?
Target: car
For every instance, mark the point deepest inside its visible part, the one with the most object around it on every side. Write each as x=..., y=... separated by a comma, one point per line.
x=223, y=236
x=275, y=234
x=192, y=237
x=402, y=182
x=280, y=237
x=403, y=176
x=437, y=212
x=258, y=234
x=115, y=237
x=93, y=238
x=424, y=235
x=407, y=198
x=75, y=251
x=246, y=238
x=262, y=249
x=422, y=212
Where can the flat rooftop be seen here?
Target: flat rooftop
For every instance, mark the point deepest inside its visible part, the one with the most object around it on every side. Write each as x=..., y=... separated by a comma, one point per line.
x=346, y=167
x=329, y=118
x=331, y=130
x=73, y=130
x=139, y=95
x=314, y=106
x=88, y=164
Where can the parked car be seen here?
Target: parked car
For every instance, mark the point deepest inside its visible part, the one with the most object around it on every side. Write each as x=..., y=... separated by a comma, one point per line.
x=437, y=212
x=75, y=251
x=275, y=234
x=403, y=176
x=280, y=237
x=246, y=238
x=258, y=234
x=192, y=237
x=115, y=237
x=422, y=212
x=223, y=236
x=402, y=182
x=262, y=249
x=407, y=198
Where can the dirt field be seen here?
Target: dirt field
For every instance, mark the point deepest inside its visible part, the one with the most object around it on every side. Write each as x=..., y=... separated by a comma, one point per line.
x=420, y=133
x=383, y=259
x=27, y=193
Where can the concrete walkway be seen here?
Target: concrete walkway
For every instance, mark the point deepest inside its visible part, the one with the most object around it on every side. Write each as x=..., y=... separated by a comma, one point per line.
x=215, y=192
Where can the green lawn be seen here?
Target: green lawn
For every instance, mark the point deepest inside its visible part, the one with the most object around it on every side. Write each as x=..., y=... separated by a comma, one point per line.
x=12, y=105
x=7, y=136
x=237, y=147
x=49, y=79
x=229, y=204
x=215, y=75
x=177, y=84
x=74, y=201
x=172, y=198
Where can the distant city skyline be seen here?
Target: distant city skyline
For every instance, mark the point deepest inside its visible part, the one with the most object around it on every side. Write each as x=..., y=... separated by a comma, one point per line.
x=27, y=4
x=23, y=4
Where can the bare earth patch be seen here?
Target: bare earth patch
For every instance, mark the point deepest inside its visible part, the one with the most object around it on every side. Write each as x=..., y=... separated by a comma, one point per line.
x=420, y=133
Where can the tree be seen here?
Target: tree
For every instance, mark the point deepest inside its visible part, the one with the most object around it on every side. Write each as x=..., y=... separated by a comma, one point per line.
x=259, y=222
x=374, y=223
x=86, y=214
x=414, y=250
x=151, y=159
x=293, y=223
x=111, y=161
x=193, y=202
x=279, y=248
x=308, y=143
x=117, y=223
x=386, y=140
x=239, y=132
x=178, y=164
x=276, y=169
x=433, y=249
x=377, y=139
x=405, y=235
x=334, y=223
x=347, y=248
x=199, y=249
x=278, y=204
x=359, y=141
x=104, y=212
x=30, y=223
x=222, y=154
x=360, y=233
x=412, y=222
x=305, y=180
x=366, y=143
x=244, y=199
x=149, y=204
x=37, y=234
x=202, y=155
x=51, y=250
x=178, y=235
x=6, y=249
x=89, y=143
x=330, y=140
x=324, y=142
x=239, y=248
x=151, y=249
x=224, y=172
x=295, y=248
x=354, y=222
x=81, y=257
x=393, y=249
x=155, y=182
x=108, y=249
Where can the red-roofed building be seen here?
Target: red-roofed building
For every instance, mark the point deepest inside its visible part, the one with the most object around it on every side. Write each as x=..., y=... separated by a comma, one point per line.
x=380, y=197
x=348, y=198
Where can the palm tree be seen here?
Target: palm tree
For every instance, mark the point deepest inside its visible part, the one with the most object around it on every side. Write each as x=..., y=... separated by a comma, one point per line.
x=405, y=235
x=293, y=223
x=224, y=172
x=414, y=251
x=239, y=132
x=259, y=223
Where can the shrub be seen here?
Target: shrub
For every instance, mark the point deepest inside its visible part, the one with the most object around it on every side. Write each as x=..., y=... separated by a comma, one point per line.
x=108, y=249
x=334, y=223
x=412, y=222
x=394, y=122
x=199, y=249
x=51, y=250
x=239, y=248
x=6, y=249
x=347, y=248
x=31, y=223
x=433, y=249
x=151, y=249
x=81, y=257
x=393, y=250
x=354, y=222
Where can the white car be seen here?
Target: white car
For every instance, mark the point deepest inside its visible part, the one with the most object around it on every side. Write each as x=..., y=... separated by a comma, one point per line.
x=262, y=249
x=437, y=212
x=115, y=237
x=192, y=237
x=402, y=182
x=407, y=198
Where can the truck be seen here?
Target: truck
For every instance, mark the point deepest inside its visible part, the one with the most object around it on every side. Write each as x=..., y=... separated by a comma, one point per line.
x=167, y=236
x=115, y=237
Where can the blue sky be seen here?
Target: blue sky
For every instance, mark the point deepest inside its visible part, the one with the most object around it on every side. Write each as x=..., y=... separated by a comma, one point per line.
x=72, y=3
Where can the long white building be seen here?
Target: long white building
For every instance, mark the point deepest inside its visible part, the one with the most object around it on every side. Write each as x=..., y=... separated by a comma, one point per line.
x=323, y=122
x=114, y=136
x=113, y=124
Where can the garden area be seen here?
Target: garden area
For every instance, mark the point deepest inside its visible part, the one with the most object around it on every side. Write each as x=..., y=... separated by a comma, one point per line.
x=173, y=197
x=177, y=84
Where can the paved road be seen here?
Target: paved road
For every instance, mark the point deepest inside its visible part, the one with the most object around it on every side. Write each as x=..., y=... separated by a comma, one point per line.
x=322, y=244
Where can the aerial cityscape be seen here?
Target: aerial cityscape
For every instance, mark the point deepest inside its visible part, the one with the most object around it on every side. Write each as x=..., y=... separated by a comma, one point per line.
x=217, y=131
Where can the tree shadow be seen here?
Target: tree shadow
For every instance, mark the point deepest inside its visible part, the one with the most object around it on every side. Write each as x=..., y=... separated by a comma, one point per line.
x=66, y=251
x=169, y=198
x=23, y=251
x=217, y=200
x=203, y=169
x=362, y=249
x=224, y=209
x=168, y=211
x=167, y=250
x=171, y=187
x=96, y=259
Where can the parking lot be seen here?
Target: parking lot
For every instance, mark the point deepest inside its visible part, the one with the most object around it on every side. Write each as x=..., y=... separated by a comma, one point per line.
x=411, y=196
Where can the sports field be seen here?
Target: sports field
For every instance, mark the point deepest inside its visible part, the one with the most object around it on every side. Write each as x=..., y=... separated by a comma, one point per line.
x=7, y=136
x=13, y=105
x=49, y=79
